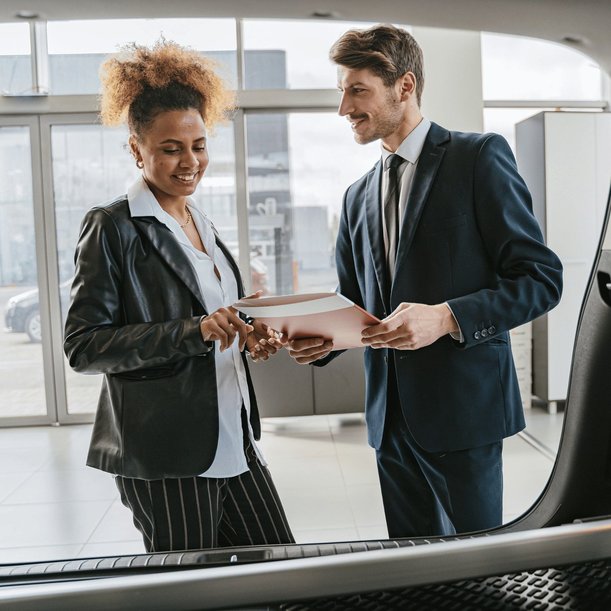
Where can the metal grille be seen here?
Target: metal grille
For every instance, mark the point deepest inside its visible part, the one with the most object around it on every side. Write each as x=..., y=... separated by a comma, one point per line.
x=584, y=587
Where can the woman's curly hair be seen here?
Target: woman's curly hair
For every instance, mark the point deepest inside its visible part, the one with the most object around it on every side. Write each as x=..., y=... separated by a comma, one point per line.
x=140, y=82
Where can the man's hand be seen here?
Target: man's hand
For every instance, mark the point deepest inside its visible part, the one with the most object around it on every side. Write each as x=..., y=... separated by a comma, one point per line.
x=308, y=350
x=411, y=326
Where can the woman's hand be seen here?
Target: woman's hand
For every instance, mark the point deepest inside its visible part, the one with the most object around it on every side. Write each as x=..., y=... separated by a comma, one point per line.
x=263, y=341
x=223, y=325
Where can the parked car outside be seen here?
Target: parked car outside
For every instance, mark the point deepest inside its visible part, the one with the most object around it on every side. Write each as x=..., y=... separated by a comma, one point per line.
x=22, y=311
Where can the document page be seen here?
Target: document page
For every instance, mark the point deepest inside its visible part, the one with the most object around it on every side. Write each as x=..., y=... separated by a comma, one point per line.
x=327, y=315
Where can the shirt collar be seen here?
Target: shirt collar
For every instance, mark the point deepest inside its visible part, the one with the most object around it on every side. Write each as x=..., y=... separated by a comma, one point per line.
x=142, y=202
x=413, y=144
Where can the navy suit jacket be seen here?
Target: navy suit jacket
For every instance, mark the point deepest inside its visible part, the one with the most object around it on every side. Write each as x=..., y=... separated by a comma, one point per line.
x=468, y=238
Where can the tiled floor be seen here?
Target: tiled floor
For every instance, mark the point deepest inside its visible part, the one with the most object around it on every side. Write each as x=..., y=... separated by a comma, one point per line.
x=52, y=506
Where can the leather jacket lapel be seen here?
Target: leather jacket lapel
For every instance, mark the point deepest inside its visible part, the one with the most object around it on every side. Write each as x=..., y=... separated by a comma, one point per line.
x=232, y=263
x=171, y=252
x=375, y=230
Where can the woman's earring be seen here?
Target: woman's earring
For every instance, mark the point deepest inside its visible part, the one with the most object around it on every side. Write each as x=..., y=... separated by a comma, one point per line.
x=139, y=163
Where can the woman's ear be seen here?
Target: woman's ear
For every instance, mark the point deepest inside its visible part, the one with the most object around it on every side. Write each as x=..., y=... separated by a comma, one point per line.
x=135, y=151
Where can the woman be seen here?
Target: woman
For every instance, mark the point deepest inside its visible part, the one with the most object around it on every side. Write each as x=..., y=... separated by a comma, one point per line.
x=177, y=417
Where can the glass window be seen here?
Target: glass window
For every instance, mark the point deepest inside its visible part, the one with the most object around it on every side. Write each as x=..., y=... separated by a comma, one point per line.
x=296, y=186
x=21, y=371
x=216, y=193
x=291, y=54
x=15, y=65
x=77, y=48
x=520, y=68
x=91, y=165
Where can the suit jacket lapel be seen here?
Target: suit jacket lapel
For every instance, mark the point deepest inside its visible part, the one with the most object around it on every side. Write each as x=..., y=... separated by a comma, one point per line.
x=426, y=170
x=375, y=229
x=170, y=251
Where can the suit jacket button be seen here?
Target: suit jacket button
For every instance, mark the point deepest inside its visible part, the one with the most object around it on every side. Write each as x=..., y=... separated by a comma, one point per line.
x=484, y=332
x=386, y=358
x=492, y=330
x=477, y=335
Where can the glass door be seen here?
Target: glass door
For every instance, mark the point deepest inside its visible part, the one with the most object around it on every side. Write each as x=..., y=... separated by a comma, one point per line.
x=52, y=169
x=86, y=165
x=26, y=372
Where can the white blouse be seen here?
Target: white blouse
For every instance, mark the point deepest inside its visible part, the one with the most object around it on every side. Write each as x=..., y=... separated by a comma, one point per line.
x=231, y=384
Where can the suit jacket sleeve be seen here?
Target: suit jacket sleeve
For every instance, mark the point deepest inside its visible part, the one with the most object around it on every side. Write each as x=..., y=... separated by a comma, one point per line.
x=99, y=337
x=529, y=275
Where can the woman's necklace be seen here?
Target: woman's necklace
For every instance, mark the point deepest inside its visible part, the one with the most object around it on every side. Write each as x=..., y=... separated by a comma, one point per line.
x=189, y=217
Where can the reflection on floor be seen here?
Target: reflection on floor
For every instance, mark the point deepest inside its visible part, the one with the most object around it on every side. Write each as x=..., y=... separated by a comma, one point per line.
x=52, y=506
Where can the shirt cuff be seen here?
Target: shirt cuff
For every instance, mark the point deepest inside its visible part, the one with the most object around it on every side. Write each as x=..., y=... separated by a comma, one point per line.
x=459, y=337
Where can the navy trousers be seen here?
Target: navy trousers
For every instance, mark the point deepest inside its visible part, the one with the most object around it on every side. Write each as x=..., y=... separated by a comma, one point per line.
x=428, y=494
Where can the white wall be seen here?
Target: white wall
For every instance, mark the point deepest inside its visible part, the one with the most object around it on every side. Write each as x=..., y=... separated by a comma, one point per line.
x=452, y=77
x=606, y=87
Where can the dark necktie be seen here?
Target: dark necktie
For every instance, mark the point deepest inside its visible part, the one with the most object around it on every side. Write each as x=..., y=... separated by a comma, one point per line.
x=391, y=209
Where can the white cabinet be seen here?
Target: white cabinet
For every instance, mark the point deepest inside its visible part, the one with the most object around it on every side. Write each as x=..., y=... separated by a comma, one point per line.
x=565, y=159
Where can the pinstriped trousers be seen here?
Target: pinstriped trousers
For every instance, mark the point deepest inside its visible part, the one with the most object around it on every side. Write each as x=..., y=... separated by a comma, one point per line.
x=200, y=512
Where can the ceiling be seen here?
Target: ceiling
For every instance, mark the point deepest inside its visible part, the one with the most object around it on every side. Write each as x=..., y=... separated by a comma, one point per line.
x=583, y=24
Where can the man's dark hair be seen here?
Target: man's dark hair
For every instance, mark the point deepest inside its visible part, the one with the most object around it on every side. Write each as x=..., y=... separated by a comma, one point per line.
x=389, y=52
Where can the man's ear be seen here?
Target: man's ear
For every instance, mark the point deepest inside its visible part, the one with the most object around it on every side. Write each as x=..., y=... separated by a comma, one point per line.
x=407, y=84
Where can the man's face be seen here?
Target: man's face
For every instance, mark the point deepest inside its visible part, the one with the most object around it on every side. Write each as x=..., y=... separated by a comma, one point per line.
x=374, y=110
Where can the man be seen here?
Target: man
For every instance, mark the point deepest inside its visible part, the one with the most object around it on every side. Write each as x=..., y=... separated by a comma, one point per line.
x=439, y=241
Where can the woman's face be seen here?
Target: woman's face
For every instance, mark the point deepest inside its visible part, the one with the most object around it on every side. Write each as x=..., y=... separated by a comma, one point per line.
x=174, y=153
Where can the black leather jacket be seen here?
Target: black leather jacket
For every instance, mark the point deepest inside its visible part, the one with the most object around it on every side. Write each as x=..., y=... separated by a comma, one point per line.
x=136, y=307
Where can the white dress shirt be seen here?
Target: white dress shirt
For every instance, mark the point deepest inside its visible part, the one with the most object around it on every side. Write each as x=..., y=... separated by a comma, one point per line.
x=231, y=384
x=409, y=150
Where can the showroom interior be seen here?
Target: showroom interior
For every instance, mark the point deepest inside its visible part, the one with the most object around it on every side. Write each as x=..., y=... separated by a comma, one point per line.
x=274, y=190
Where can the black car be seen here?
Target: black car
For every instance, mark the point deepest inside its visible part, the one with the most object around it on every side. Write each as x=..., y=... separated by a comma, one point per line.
x=22, y=312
